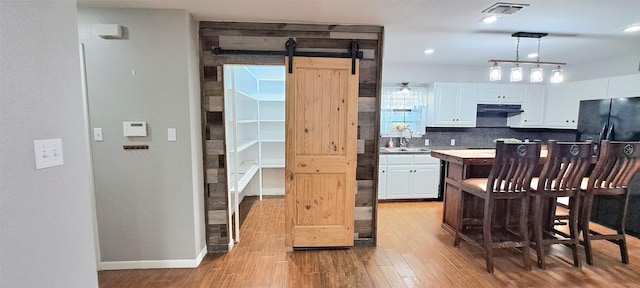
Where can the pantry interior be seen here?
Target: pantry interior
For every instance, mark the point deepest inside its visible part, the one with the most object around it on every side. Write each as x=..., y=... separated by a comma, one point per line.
x=254, y=99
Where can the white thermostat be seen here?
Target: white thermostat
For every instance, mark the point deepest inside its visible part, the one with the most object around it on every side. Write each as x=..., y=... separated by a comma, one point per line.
x=134, y=128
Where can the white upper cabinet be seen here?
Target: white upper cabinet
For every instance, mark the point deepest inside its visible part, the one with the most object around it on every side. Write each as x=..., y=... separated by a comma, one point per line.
x=452, y=105
x=533, y=104
x=500, y=93
x=561, y=108
x=624, y=86
x=591, y=89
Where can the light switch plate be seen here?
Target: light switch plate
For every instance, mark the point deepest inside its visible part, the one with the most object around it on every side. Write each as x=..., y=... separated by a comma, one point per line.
x=453, y=142
x=97, y=134
x=48, y=153
x=172, y=134
x=426, y=142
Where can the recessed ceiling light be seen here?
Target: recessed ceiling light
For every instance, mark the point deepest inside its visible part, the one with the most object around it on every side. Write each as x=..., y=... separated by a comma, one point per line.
x=632, y=28
x=490, y=19
x=428, y=51
x=532, y=55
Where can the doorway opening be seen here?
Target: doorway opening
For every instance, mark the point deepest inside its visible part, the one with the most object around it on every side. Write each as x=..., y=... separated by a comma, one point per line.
x=254, y=105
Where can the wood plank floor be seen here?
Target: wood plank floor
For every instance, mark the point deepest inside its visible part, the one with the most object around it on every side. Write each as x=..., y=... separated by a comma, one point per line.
x=413, y=251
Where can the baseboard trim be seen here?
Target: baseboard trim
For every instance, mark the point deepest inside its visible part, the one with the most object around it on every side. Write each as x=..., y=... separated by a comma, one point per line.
x=201, y=256
x=154, y=264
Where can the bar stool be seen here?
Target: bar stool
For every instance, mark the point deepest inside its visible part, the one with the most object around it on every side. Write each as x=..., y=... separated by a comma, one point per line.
x=509, y=179
x=618, y=163
x=566, y=165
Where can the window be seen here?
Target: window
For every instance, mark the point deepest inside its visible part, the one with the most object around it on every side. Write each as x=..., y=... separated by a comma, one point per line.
x=403, y=113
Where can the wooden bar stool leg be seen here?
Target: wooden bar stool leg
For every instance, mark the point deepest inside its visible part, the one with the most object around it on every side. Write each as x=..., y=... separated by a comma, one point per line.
x=623, y=202
x=486, y=231
x=537, y=230
x=586, y=235
x=574, y=232
x=524, y=231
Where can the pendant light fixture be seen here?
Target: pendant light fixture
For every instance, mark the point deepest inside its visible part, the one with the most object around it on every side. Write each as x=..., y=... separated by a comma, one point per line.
x=516, y=73
x=557, y=75
x=405, y=87
x=495, y=72
x=537, y=73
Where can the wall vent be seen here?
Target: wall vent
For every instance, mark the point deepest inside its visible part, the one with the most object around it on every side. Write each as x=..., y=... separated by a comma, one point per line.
x=504, y=8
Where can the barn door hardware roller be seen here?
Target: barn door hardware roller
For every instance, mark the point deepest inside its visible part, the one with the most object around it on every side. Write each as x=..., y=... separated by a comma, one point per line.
x=353, y=53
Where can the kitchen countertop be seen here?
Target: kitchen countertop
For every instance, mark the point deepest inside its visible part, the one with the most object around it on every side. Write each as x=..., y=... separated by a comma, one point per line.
x=424, y=149
x=473, y=156
x=405, y=150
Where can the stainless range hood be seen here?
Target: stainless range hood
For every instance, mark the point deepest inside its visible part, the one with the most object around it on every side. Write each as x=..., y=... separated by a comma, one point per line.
x=500, y=108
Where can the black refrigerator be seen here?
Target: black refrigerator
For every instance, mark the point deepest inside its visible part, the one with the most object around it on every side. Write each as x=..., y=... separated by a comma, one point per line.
x=616, y=119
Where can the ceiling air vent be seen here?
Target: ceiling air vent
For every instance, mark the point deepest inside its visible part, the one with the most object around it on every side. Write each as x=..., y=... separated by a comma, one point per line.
x=504, y=8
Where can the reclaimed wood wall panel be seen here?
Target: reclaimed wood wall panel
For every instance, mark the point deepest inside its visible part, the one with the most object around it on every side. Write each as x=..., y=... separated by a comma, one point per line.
x=332, y=43
x=264, y=43
x=272, y=36
x=291, y=28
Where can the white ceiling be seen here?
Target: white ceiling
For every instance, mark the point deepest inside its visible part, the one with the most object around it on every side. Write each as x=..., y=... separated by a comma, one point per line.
x=579, y=30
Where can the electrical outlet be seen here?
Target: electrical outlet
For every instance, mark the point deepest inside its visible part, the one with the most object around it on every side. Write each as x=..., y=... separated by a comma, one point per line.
x=426, y=142
x=453, y=142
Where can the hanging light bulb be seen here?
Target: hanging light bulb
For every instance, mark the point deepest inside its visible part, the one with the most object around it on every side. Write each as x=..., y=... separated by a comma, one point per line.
x=495, y=72
x=536, y=73
x=516, y=72
x=557, y=75
x=405, y=87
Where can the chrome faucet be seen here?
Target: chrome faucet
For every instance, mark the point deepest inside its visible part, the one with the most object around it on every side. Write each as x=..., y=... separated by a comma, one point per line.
x=403, y=141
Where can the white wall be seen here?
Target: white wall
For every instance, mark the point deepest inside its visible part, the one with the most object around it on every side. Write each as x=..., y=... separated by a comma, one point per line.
x=149, y=202
x=426, y=73
x=601, y=68
x=46, y=236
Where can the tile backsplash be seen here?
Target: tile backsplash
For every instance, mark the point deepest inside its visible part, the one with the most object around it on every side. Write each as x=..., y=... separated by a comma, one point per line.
x=481, y=137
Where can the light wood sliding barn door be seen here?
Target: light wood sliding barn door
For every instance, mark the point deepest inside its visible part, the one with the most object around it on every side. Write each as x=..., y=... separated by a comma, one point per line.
x=321, y=149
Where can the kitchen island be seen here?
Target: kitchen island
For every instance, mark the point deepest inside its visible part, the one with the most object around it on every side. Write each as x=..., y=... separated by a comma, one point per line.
x=460, y=165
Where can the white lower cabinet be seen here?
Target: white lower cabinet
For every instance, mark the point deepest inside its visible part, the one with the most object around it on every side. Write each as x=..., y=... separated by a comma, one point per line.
x=382, y=177
x=398, y=178
x=408, y=177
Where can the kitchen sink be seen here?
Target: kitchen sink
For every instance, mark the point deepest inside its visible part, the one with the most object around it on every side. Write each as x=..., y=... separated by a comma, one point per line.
x=406, y=150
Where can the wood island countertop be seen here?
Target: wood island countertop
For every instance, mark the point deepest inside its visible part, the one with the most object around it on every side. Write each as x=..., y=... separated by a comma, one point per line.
x=473, y=156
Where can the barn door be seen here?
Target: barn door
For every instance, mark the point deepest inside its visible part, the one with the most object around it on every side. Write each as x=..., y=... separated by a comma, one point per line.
x=321, y=135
